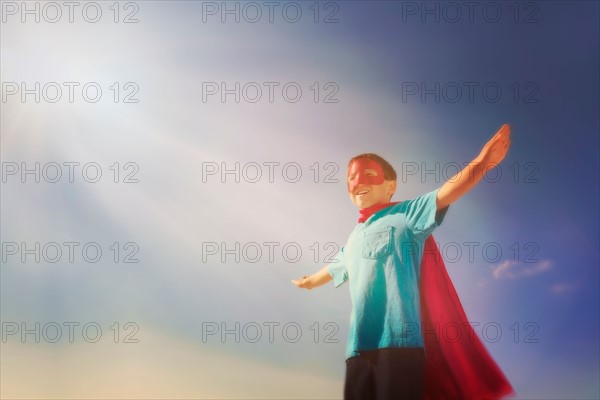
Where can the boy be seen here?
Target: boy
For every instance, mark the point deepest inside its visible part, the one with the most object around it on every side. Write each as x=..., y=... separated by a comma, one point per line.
x=398, y=286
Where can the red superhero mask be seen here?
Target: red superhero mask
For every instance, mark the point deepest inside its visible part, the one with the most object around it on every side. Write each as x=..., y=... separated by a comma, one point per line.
x=357, y=170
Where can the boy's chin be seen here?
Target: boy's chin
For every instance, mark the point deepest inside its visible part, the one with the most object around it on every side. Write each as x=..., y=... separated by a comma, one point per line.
x=368, y=201
x=364, y=203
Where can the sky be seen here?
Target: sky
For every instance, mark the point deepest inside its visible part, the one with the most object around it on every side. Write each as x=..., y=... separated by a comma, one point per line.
x=199, y=166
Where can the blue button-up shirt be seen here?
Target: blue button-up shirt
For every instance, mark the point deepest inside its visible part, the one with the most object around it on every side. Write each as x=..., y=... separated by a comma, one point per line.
x=382, y=260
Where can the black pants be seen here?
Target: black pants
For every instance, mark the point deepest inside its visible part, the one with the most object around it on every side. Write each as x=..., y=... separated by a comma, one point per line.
x=386, y=374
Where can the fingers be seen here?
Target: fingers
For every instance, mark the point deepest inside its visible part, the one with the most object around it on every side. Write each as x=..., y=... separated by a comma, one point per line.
x=300, y=282
x=502, y=138
x=503, y=132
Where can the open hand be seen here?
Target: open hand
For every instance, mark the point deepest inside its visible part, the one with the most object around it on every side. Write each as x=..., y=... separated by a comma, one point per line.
x=303, y=282
x=496, y=148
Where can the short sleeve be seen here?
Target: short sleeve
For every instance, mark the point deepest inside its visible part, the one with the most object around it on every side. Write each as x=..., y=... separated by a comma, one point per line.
x=422, y=216
x=337, y=269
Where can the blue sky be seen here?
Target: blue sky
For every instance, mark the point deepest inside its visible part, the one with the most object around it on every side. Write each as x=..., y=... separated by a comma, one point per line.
x=542, y=212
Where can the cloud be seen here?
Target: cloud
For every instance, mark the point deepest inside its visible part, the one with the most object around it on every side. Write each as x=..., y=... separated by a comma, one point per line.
x=513, y=269
x=563, y=287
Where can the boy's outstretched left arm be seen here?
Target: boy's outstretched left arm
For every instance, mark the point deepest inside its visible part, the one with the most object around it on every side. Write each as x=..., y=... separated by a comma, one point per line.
x=491, y=155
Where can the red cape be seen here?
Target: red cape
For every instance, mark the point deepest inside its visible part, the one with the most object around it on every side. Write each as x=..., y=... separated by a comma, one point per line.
x=457, y=365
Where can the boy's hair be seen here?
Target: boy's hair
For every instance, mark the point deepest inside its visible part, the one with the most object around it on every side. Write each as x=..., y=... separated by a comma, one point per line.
x=389, y=173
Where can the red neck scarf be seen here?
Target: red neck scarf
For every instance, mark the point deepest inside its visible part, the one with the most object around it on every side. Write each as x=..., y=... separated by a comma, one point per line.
x=365, y=213
x=459, y=366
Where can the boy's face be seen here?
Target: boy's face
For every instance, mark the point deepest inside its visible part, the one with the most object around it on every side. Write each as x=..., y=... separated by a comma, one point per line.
x=366, y=184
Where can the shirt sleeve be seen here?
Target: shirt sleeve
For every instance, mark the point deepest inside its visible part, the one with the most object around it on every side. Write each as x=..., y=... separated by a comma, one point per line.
x=337, y=269
x=422, y=216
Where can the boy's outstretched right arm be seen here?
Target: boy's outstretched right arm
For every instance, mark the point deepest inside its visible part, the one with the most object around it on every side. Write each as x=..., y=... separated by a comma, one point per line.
x=315, y=280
